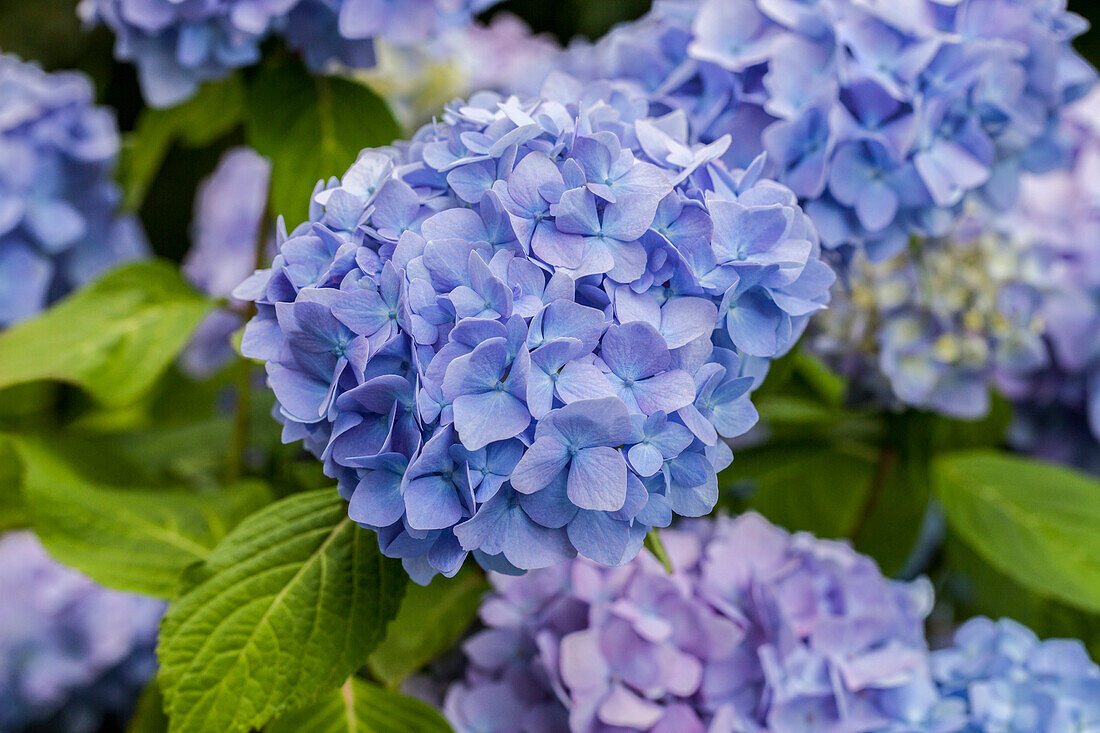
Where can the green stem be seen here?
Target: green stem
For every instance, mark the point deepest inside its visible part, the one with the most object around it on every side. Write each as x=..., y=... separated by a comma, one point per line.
x=241, y=420
x=887, y=462
x=653, y=544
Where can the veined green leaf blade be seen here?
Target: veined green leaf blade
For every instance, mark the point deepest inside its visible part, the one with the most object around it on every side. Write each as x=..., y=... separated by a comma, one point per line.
x=287, y=606
x=132, y=539
x=360, y=707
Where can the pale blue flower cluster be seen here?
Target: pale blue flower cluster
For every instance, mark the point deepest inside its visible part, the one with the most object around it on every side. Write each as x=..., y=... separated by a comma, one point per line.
x=1007, y=680
x=883, y=116
x=59, y=219
x=73, y=655
x=230, y=208
x=178, y=44
x=522, y=333
x=940, y=326
x=757, y=630
x=1059, y=214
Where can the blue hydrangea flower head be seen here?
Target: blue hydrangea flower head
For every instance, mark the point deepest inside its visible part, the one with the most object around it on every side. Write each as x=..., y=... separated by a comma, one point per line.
x=1008, y=680
x=524, y=333
x=178, y=44
x=225, y=234
x=885, y=118
x=73, y=655
x=59, y=220
x=755, y=630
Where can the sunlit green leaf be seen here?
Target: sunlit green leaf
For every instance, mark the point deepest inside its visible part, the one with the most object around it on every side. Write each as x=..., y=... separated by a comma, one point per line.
x=1034, y=522
x=287, y=606
x=114, y=338
x=360, y=707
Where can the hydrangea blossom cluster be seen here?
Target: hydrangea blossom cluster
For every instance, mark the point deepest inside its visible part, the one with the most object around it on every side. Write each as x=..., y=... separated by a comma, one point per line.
x=757, y=630
x=1059, y=214
x=936, y=328
x=72, y=654
x=225, y=234
x=1007, y=680
x=178, y=44
x=522, y=333
x=883, y=117
x=59, y=224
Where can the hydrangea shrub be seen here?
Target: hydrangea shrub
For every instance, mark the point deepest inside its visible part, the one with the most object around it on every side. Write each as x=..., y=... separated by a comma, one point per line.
x=884, y=118
x=178, y=44
x=72, y=654
x=59, y=219
x=522, y=333
x=756, y=630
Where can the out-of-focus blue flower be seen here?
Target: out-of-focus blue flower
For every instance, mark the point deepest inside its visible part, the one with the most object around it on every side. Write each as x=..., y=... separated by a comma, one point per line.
x=225, y=234
x=1008, y=680
x=178, y=44
x=59, y=219
x=502, y=56
x=756, y=630
x=1059, y=214
x=73, y=655
x=940, y=327
x=884, y=118
x=523, y=333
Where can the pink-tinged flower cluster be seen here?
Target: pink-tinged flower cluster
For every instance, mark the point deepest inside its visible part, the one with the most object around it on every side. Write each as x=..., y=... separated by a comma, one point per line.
x=756, y=630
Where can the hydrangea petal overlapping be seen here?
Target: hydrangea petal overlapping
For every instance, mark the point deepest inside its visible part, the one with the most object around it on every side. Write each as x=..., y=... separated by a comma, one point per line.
x=178, y=44
x=523, y=333
x=883, y=117
x=938, y=327
x=756, y=630
x=59, y=220
x=1008, y=680
x=72, y=654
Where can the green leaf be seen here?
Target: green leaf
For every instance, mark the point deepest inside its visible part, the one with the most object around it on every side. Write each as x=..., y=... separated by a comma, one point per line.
x=1035, y=522
x=432, y=618
x=312, y=128
x=287, y=606
x=893, y=512
x=360, y=707
x=817, y=488
x=149, y=714
x=113, y=338
x=137, y=540
x=974, y=588
x=213, y=112
x=825, y=383
x=13, y=510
